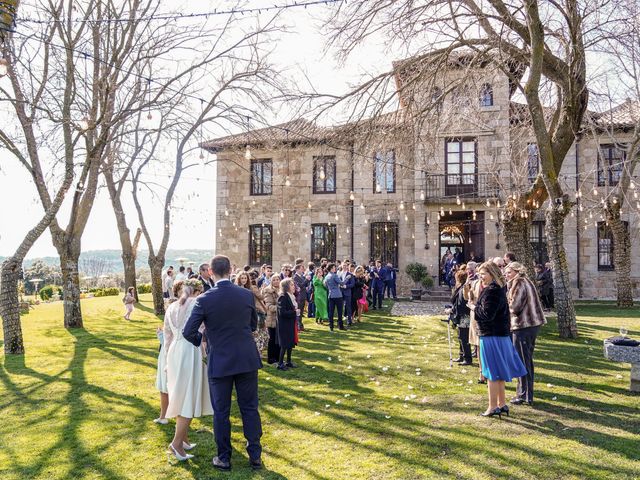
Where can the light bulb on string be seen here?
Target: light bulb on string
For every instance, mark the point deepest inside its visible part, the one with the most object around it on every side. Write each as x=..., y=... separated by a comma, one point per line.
x=336, y=216
x=458, y=200
x=281, y=214
x=428, y=221
x=406, y=218
x=322, y=174
x=401, y=204
x=361, y=206
x=498, y=204
x=635, y=194
x=4, y=67
x=309, y=204
x=491, y=216
x=388, y=217
x=413, y=236
x=226, y=212
x=632, y=186
x=464, y=207
x=366, y=221
x=488, y=203
x=581, y=208
x=435, y=243
x=247, y=152
x=421, y=194
x=287, y=182
x=450, y=212
x=413, y=206
x=378, y=188
x=351, y=196
x=595, y=192
x=441, y=212
x=347, y=229
x=253, y=203
x=473, y=215
x=84, y=124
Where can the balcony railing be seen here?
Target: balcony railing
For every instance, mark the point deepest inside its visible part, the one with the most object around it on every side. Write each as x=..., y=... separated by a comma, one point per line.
x=474, y=186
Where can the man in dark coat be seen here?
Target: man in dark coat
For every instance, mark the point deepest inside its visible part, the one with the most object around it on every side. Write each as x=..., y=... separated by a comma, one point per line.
x=205, y=277
x=301, y=282
x=229, y=315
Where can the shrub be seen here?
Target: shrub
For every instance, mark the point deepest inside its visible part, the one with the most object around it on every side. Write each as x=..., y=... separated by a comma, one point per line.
x=106, y=292
x=416, y=271
x=427, y=281
x=48, y=291
x=144, y=288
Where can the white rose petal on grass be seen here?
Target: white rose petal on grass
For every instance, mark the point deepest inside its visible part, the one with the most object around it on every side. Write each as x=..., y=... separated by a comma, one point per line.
x=618, y=376
x=327, y=406
x=329, y=358
x=384, y=369
x=470, y=382
x=368, y=356
x=412, y=396
x=406, y=398
x=338, y=402
x=378, y=384
x=554, y=398
x=410, y=387
x=463, y=371
x=549, y=385
x=387, y=417
x=349, y=367
x=418, y=373
x=347, y=395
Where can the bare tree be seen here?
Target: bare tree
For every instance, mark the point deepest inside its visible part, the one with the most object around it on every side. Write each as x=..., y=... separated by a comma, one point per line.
x=619, y=125
x=73, y=80
x=225, y=84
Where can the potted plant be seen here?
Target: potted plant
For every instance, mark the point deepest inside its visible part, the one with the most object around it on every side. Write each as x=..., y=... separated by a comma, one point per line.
x=417, y=272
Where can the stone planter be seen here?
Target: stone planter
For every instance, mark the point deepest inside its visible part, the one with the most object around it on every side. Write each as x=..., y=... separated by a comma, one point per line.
x=620, y=353
x=416, y=293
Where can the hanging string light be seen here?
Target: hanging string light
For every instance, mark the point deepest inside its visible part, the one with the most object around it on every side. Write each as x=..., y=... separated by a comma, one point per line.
x=351, y=196
x=422, y=195
x=401, y=204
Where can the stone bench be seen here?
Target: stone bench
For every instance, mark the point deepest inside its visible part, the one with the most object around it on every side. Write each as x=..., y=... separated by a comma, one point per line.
x=620, y=353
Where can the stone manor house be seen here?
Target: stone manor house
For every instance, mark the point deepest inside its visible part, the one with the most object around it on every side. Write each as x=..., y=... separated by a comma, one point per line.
x=404, y=190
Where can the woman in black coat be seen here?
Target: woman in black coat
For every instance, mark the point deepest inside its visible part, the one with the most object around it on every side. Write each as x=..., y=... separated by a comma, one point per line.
x=500, y=361
x=460, y=315
x=286, y=328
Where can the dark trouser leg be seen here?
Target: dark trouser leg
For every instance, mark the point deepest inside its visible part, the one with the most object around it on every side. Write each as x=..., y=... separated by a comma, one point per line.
x=348, y=311
x=332, y=306
x=465, y=348
x=393, y=289
x=524, y=342
x=301, y=307
x=386, y=291
x=311, y=310
x=281, y=355
x=220, y=392
x=247, y=393
x=289, y=355
x=272, y=348
x=377, y=297
x=340, y=305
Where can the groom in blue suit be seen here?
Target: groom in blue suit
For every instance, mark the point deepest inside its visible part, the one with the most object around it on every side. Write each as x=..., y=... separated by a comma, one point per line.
x=229, y=315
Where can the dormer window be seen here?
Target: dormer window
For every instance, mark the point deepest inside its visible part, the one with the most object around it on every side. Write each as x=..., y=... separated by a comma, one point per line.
x=486, y=95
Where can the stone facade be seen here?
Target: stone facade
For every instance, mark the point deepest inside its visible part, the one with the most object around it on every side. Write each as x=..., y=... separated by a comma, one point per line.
x=500, y=150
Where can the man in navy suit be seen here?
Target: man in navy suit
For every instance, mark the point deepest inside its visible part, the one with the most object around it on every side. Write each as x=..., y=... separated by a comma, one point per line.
x=229, y=315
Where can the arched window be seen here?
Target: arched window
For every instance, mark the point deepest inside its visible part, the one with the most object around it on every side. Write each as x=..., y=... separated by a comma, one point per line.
x=486, y=95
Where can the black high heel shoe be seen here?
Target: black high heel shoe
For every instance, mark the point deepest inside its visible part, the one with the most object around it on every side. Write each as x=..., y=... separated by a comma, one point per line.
x=505, y=409
x=493, y=413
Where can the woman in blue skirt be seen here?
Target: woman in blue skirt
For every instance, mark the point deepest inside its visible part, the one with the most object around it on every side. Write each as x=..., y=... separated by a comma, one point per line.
x=500, y=361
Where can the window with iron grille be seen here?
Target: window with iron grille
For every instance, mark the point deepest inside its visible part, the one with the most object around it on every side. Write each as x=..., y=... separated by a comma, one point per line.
x=486, y=95
x=323, y=242
x=538, y=241
x=384, y=242
x=324, y=174
x=384, y=172
x=610, y=162
x=260, y=244
x=605, y=246
x=261, y=176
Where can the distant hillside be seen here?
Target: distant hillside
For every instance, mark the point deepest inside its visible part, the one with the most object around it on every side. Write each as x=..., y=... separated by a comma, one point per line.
x=114, y=261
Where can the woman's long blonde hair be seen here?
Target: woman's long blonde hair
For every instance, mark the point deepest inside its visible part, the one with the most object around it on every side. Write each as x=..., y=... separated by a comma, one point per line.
x=518, y=268
x=493, y=270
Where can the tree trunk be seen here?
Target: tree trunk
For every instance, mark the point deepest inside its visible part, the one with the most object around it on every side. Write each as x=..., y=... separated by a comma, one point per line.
x=563, y=300
x=9, y=307
x=155, y=265
x=71, y=289
x=129, y=263
x=621, y=259
x=516, y=236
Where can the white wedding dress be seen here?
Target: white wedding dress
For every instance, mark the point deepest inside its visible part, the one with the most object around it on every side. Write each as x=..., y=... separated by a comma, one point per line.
x=187, y=382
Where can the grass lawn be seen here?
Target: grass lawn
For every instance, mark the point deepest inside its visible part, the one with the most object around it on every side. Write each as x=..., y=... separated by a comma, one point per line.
x=377, y=402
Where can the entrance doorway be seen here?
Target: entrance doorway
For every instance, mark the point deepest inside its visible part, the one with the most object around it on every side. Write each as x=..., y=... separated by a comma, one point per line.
x=462, y=236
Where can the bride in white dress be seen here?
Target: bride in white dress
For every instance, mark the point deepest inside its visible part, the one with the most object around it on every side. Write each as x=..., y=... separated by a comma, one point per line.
x=187, y=382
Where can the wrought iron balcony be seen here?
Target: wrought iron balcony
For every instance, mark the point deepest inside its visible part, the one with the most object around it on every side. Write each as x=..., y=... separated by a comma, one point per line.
x=442, y=188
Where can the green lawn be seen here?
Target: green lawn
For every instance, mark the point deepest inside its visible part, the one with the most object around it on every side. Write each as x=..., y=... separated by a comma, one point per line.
x=385, y=405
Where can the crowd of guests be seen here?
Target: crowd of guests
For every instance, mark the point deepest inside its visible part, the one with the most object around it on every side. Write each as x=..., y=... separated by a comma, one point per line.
x=335, y=293
x=498, y=312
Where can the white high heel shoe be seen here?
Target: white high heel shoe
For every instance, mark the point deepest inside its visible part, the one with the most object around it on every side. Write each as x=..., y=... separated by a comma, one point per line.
x=187, y=446
x=177, y=455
